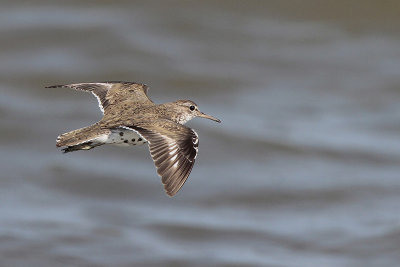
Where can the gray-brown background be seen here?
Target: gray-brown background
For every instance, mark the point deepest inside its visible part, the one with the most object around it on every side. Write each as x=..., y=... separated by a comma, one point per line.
x=303, y=171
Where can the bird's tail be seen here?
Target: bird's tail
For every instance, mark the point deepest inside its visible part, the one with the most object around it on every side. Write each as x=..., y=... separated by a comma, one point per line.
x=81, y=139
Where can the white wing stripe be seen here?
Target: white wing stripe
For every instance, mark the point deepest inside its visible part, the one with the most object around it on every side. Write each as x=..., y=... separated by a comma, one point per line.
x=98, y=100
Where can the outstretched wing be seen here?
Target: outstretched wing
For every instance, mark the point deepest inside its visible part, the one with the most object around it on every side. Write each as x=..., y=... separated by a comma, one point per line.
x=108, y=93
x=173, y=148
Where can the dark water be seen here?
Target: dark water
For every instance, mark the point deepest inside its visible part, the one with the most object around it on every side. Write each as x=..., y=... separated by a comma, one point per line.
x=303, y=171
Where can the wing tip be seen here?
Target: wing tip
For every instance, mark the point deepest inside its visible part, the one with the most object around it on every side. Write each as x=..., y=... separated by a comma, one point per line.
x=169, y=193
x=145, y=86
x=171, y=189
x=55, y=86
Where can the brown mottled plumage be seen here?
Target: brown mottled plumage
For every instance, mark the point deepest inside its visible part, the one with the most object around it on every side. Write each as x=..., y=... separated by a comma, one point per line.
x=131, y=118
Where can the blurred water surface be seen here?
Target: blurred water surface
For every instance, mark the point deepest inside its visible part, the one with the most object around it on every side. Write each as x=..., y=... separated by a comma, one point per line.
x=303, y=171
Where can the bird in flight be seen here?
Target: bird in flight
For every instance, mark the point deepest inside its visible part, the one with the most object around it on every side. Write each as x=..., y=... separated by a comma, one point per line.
x=131, y=118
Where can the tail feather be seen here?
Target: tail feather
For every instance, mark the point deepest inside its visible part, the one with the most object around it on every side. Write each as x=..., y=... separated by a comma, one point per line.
x=80, y=136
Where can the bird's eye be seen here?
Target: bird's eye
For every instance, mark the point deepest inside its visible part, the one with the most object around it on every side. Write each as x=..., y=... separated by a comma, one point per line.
x=192, y=108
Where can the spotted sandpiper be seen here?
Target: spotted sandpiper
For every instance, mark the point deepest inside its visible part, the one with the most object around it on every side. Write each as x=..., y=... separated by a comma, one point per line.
x=131, y=118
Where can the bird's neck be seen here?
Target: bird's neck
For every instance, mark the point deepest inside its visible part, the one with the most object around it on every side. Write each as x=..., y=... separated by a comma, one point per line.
x=174, y=113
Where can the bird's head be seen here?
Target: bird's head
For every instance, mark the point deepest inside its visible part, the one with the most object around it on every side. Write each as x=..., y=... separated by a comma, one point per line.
x=189, y=110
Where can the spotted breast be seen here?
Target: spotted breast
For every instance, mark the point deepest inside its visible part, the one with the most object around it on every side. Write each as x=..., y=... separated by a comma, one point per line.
x=121, y=136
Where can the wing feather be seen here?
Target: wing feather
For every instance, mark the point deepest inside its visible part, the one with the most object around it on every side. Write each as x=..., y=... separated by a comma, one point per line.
x=173, y=148
x=113, y=92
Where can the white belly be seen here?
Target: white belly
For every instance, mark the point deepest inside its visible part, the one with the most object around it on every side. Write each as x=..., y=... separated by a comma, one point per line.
x=122, y=137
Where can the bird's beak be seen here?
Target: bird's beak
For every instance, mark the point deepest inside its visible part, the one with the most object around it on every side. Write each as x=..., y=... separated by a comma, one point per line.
x=203, y=115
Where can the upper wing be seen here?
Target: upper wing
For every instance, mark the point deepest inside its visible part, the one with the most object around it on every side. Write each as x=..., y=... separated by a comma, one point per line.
x=173, y=148
x=108, y=93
